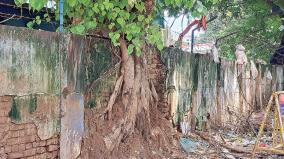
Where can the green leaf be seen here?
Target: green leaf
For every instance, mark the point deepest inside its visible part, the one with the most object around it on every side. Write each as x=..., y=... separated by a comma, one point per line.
x=37, y=4
x=199, y=6
x=47, y=19
x=85, y=2
x=113, y=15
x=195, y=13
x=114, y=36
x=141, y=18
x=45, y=15
x=30, y=24
x=190, y=4
x=102, y=7
x=215, y=1
x=90, y=13
x=136, y=42
x=72, y=3
x=91, y=25
x=77, y=29
x=148, y=19
x=121, y=21
x=19, y=2
x=130, y=48
x=140, y=7
x=178, y=2
x=138, y=50
x=38, y=21
x=96, y=8
x=129, y=37
x=108, y=5
x=110, y=26
x=168, y=2
x=160, y=46
x=131, y=3
x=103, y=13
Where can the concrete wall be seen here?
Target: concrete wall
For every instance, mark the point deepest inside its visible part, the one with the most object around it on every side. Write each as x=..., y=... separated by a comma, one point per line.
x=45, y=78
x=197, y=86
x=44, y=75
x=41, y=88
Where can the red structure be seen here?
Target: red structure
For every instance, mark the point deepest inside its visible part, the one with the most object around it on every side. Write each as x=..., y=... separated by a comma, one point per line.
x=200, y=23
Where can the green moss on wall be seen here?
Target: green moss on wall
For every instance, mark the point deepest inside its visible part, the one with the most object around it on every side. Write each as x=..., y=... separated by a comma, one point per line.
x=92, y=103
x=33, y=103
x=47, y=52
x=14, y=113
x=96, y=60
x=195, y=69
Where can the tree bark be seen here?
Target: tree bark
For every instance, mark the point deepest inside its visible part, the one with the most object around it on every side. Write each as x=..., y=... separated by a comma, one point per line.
x=137, y=95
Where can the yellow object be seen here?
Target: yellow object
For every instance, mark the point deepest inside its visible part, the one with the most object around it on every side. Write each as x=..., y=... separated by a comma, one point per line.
x=276, y=148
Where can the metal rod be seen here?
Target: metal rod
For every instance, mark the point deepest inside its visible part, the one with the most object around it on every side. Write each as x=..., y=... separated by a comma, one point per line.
x=192, y=33
x=61, y=16
x=279, y=119
x=262, y=125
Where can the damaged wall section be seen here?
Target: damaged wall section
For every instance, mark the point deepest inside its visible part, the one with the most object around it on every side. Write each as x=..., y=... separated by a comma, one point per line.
x=42, y=81
x=29, y=92
x=198, y=88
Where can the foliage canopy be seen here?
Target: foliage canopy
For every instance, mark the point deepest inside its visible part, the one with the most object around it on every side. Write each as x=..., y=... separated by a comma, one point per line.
x=250, y=22
x=253, y=23
x=131, y=19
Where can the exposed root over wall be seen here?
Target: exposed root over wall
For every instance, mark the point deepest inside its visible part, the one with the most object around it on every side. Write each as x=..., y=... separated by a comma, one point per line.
x=129, y=124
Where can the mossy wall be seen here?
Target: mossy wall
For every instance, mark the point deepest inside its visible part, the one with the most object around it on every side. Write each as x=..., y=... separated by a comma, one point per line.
x=198, y=86
x=29, y=61
x=49, y=75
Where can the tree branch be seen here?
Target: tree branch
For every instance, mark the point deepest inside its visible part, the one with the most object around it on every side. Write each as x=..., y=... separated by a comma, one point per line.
x=3, y=21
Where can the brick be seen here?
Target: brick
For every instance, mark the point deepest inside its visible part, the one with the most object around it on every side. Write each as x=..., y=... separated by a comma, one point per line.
x=17, y=127
x=29, y=146
x=30, y=152
x=6, y=108
x=27, y=139
x=52, y=148
x=6, y=98
x=2, y=150
x=8, y=149
x=15, y=133
x=3, y=156
x=13, y=141
x=39, y=143
x=4, y=120
x=43, y=156
x=15, y=148
x=22, y=147
x=37, y=138
x=35, y=144
x=53, y=141
x=5, y=135
x=30, y=126
x=22, y=133
x=40, y=150
x=49, y=155
x=15, y=155
x=4, y=127
x=4, y=112
x=42, y=143
x=55, y=154
x=30, y=131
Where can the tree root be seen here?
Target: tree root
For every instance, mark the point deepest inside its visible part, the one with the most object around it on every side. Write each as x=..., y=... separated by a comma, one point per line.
x=113, y=97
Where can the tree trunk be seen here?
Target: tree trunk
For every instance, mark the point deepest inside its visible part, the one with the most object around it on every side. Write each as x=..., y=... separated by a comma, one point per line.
x=137, y=94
